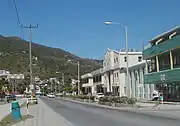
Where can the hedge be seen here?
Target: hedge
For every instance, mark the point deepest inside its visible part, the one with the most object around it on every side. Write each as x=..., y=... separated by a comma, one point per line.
x=80, y=97
x=120, y=100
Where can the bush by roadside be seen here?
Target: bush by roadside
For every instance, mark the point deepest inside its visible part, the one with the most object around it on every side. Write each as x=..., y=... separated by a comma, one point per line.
x=117, y=100
x=80, y=97
x=107, y=100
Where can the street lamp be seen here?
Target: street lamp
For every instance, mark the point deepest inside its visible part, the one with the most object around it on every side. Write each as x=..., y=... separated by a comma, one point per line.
x=78, y=74
x=127, y=57
x=62, y=74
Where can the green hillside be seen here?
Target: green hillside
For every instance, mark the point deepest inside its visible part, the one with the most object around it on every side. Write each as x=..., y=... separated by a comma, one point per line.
x=14, y=56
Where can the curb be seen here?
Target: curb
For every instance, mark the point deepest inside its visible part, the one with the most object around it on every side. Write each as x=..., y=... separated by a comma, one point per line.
x=155, y=114
x=168, y=103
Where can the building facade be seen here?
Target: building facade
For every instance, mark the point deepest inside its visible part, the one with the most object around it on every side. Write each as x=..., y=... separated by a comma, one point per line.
x=93, y=82
x=112, y=77
x=164, y=70
x=4, y=74
x=138, y=89
x=114, y=66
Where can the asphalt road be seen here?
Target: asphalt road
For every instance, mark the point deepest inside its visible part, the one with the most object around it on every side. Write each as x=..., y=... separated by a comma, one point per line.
x=85, y=115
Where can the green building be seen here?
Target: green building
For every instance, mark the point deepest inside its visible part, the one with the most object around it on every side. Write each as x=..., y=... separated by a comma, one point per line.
x=164, y=69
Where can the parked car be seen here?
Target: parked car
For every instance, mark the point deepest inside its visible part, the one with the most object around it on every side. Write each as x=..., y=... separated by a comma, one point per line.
x=10, y=97
x=98, y=96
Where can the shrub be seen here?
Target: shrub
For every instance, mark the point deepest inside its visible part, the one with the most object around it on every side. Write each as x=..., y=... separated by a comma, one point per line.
x=131, y=101
x=121, y=100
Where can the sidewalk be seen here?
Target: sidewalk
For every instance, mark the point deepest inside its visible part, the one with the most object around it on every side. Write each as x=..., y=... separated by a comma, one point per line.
x=165, y=106
x=43, y=116
x=153, y=102
x=5, y=109
x=166, y=111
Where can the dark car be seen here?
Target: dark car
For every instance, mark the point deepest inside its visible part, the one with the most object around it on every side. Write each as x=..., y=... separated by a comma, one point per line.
x=10, y=97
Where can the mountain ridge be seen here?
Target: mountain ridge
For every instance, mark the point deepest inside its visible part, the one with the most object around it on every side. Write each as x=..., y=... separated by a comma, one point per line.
x=15, y=58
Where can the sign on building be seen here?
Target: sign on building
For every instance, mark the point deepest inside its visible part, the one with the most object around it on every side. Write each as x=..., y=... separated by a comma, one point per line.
x=163, y=77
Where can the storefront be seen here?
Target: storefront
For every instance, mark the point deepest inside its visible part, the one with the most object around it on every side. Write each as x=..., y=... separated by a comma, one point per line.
x=171, y=91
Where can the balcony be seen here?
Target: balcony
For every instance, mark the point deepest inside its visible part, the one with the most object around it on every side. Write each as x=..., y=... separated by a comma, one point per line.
x=162, y=47
x=162, y=76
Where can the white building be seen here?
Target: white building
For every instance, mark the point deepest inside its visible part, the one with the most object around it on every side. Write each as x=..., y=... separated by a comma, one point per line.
x=112, y=77
x=114, y=64
x=4, y=73
x=137, y=88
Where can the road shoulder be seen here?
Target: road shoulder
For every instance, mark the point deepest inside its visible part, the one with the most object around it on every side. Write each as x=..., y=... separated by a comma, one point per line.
x=173, y=115
x=43, y=116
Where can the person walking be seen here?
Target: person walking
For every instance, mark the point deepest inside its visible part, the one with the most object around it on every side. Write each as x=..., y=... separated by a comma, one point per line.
x=159, y=103
x=27, y=105
x=161, y=99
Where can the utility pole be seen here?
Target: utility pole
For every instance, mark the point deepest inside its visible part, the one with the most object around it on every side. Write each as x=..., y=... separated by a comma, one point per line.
x=78, y=78
x=30, y=27
x=63, y=79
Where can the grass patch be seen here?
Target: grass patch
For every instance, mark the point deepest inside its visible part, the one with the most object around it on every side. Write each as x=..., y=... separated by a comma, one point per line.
x=8, y=120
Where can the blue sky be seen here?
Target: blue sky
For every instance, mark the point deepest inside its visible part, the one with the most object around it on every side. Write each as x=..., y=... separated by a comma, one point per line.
x=78, y=26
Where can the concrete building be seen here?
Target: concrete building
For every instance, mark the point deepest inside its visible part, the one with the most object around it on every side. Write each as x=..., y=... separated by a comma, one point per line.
x=112, y=77
x=4, y=74
x=114, y=65
x=93, y=82
x=164, y=70
x=138, y=89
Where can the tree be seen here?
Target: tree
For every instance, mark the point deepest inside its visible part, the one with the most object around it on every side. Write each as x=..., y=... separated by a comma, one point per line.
x=4, y=84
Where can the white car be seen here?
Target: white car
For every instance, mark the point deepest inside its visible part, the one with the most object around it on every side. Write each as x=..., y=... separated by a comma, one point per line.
x=32, y=99
x=98, y=96
x=51, y=95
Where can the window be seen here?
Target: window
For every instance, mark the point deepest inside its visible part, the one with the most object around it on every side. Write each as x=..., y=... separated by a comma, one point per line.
x=176, y=57
x=94, y=79
x=152, y=67
x=114, y=60
x=125, y=59
x=164, y=61
x=100, y=78
x=97, y=79
x=139, y=58
x=117, y=75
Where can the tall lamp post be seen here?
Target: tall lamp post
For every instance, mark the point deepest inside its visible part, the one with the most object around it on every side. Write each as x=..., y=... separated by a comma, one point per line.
x=78, y=73
x=62, y=75
x=127, y=57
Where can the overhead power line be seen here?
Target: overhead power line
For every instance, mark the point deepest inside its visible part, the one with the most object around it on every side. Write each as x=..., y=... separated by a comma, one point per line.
x=18, y=18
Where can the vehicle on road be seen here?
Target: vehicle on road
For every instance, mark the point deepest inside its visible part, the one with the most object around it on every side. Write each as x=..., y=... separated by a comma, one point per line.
x=51, y=95
x=32, y=99
x=10, y=97
x=98, y=96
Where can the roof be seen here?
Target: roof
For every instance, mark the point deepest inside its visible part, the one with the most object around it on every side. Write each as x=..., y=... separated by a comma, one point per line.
x=88, y=75
x=167, y=33
x=131, y=53
x=122, y=51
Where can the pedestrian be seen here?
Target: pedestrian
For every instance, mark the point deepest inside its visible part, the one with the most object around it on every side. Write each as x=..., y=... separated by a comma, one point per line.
x=159, y=103
x=155, y=95
x=27, y=106
x=161, y=99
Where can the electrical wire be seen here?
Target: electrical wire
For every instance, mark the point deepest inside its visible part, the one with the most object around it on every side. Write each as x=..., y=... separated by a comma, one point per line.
x=18, y=18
